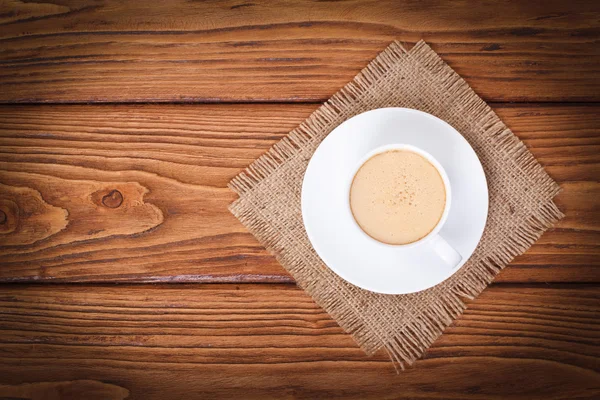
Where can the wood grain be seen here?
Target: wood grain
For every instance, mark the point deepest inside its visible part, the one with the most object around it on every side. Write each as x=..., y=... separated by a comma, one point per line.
x=26, y=218
x=184, y=51
x=92, y=210
x=79, y=389
x=272, y=341
x=145, y=191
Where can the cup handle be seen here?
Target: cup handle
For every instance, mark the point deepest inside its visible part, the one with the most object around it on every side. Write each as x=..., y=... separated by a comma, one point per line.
x=445, y=251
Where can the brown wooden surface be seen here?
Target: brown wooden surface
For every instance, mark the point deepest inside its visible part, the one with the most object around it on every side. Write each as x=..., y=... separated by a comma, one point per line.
x=130, y=193
x=171, y=164
x=178, y=50
x=272, y=341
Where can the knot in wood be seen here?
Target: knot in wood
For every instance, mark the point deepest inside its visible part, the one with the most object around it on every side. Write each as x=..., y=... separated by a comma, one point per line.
x=3, y=217
x=113, y=199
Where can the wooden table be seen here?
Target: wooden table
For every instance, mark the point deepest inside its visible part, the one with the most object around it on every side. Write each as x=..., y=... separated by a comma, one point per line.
x=122, y=272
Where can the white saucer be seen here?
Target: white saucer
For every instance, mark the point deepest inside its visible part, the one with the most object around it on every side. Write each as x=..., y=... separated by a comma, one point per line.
x=340, y=242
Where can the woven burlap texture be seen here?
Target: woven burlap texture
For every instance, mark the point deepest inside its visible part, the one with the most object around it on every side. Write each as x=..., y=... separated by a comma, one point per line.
x=520, y=208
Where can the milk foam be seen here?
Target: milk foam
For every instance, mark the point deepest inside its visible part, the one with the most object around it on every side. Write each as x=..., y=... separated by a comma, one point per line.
x=397, y=197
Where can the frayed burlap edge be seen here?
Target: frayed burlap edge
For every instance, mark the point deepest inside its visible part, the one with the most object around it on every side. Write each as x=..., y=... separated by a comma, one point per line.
x=408, y=344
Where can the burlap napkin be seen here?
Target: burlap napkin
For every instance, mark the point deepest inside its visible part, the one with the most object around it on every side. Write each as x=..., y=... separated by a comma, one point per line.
x=521, y=206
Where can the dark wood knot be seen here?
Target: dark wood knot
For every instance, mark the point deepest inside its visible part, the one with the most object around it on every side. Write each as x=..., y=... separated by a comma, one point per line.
x=3, y=217
x=113, y=200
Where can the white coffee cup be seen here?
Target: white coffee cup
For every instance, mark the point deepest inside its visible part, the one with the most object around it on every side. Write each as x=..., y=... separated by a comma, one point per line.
x=352, y=254
x=433, y=239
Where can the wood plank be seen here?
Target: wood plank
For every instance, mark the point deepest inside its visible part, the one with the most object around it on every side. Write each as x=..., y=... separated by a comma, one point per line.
x=272, y=341
x=177, y=50
x=170, y=165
